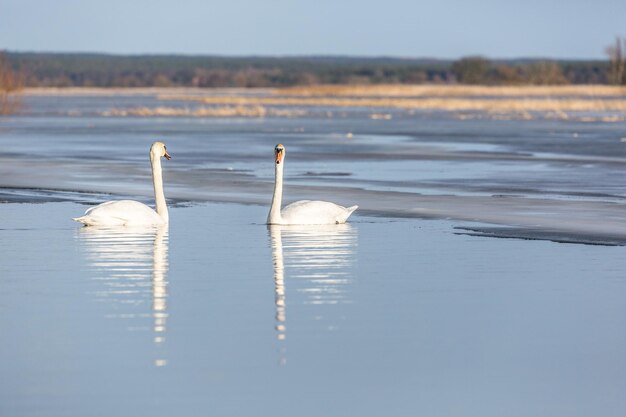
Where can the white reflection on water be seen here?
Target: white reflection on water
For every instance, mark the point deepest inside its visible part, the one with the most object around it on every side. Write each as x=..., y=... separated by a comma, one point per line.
x=314, y=260
x=132, y=264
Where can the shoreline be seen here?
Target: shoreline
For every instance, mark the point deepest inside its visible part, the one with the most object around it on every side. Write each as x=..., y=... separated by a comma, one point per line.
x=357, y=90
x=130, y=91
x=576, y=102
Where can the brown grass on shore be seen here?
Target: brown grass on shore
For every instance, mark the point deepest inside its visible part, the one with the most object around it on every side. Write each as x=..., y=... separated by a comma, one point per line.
x=135, y=91
x=226, y=111
x=393, y=90
x=452, y=91
x=447, y=104
x=553, y=115
x=518, y=100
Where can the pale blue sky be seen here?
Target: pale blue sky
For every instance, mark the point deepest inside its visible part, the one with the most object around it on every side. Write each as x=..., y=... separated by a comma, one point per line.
x=442, y=29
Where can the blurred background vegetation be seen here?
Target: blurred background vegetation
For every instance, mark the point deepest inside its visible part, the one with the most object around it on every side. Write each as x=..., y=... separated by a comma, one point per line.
x=11, y=83
x=24, y=69
x=100, y=70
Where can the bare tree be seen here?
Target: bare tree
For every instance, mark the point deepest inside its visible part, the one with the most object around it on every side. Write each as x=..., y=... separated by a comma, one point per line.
x=617, y=61
x=11, y=84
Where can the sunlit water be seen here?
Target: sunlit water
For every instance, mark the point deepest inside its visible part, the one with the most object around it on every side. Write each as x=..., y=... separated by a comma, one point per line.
x=391, y=314
x=221, y=315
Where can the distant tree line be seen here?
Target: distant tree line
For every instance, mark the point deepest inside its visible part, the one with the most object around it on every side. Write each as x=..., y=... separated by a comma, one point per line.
x=100, y=70
x=97, y=70
x=478, y=70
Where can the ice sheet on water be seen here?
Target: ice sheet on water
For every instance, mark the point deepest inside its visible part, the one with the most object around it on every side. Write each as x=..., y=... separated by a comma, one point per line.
x=557, y=176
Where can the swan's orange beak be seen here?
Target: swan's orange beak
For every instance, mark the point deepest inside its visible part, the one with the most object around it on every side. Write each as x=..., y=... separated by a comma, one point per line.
x=279, y=155
x=167, y=156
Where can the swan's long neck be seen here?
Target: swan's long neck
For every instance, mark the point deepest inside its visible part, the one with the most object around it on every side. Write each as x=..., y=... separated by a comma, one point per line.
x=274, y=217
x=157, y=180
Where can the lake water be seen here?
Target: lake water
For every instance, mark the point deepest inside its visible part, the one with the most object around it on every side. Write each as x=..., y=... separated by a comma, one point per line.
x=403, y=311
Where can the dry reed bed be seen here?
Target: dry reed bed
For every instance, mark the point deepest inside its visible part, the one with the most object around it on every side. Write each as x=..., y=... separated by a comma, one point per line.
x=553, y=115
x=259, y=111
x=393, y=90
x=136, y=91
x=226, y=111
x=448, y=104
x=452, y=91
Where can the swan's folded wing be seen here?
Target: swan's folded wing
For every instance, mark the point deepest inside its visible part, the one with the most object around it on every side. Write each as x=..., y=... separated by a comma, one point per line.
x=123, y=212
x=315, y=212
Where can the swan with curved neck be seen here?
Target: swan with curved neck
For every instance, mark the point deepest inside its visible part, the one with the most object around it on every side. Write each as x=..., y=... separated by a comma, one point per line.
x=129, y=212
x=304, y=211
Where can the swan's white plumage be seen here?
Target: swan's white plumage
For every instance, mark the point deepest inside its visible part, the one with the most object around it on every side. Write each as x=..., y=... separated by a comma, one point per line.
x=315, y=212
x=303, y=211
x=129, y=212
x=120, y=213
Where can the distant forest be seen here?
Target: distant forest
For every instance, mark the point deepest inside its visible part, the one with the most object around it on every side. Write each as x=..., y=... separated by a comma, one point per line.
x=101, y=70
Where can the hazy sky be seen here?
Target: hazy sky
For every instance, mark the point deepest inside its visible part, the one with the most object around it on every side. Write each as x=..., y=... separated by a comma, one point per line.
x=444, y=29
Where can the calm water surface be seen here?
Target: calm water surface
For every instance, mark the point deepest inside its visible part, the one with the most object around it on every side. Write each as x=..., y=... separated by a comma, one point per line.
x=219, y=315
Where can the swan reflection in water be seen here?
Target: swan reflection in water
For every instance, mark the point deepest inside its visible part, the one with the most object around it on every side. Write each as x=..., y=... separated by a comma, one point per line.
x=316, y=261
x=132, y=264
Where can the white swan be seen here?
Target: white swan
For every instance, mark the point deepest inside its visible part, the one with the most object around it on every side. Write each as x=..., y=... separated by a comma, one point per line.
x=304, y=211
x=129, y=212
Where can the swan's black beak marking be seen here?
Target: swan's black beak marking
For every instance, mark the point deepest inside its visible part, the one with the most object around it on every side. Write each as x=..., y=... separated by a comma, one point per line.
x=167, y=156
